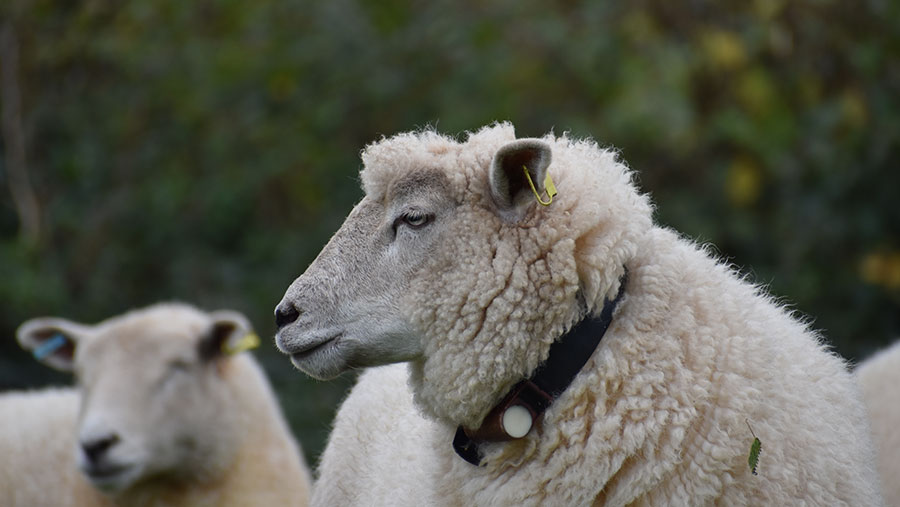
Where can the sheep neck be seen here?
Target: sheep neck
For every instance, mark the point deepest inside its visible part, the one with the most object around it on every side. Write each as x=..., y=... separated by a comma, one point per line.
x=567, y=356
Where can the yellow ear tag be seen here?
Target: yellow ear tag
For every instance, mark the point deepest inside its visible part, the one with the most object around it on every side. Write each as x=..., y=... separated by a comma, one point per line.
x=548, y=185
x=249, y=341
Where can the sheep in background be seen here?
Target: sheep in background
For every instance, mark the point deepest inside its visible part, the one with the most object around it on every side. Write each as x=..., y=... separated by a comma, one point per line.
x=450, y=263
x=879, y=378
x=167, y=412
x=375, y=453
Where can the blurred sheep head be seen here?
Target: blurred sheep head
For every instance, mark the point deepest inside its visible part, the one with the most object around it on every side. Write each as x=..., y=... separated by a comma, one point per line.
x=153, y=403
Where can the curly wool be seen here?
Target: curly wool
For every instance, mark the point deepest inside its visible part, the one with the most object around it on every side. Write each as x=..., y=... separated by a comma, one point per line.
x=659, y=413
x=577, y=243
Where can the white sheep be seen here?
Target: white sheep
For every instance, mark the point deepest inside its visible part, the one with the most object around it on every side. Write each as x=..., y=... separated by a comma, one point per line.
x=450, y=263
x=879, y=378
x=167, y=412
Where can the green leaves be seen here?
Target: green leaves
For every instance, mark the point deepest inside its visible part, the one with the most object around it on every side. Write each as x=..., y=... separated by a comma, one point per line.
x=753, y=458
x=755, y=449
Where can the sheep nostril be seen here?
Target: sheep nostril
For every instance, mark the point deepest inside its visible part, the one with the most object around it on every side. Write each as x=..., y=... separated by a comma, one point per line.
x=285, y=314
x=96, y=448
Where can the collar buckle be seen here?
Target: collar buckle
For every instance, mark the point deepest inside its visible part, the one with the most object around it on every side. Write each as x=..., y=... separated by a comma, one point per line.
x=514, y=416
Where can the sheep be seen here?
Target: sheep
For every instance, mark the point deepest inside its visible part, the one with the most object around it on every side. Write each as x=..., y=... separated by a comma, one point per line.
x=167, y=411
x=879, y=377
x=461, y=261
x=374, y=453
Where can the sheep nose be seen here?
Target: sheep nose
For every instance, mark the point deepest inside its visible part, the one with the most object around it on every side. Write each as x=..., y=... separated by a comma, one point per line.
x=285, y=313
x=95, y=448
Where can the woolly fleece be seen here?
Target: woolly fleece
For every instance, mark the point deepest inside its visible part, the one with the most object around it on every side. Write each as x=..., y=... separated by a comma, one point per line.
x=659, y=413
x=879, y=378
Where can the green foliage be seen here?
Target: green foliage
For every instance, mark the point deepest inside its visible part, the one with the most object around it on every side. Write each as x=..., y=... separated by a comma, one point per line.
x=753, y=458
x=205, y=151
x=755, y=449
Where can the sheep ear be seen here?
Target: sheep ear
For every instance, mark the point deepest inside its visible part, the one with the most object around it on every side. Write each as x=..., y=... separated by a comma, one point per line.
x=509, y=186
x=230, y=333
x=52, y=340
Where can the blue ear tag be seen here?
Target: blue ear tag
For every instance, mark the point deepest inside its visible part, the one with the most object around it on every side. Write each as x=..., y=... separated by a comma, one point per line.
x=49, y=346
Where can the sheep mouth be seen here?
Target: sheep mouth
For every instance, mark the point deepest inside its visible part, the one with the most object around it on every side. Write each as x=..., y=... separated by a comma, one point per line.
x=303, y=354
x=106, y=472
x=110, y=477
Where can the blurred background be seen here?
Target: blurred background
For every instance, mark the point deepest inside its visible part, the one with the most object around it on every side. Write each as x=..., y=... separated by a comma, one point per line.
x=206, y=150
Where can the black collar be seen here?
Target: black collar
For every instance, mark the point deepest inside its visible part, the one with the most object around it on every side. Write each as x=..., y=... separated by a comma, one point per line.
x=567, y=356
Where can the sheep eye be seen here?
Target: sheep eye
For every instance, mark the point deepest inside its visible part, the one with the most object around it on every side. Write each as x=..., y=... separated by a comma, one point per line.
x=179, y=365
x=416, y=219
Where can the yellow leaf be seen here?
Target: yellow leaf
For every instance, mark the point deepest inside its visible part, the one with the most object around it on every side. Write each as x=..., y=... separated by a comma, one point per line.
x=755, y=90
x=881, y=268
x=767, y=9
x=640, y=27
x=723, y=49
x=743, y=182
x=853, y=108
x=870, y=268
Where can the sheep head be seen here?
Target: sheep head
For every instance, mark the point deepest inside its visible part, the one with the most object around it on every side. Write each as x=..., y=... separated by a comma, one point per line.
x=153, y=400
x=450, y=262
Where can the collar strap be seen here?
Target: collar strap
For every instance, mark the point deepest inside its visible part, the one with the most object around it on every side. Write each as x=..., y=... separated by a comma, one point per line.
x=516, y=413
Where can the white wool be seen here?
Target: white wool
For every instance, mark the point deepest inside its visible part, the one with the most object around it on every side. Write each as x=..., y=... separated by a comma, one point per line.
x=579, y=242
x=879, y=378
x=375, y=454
x=660, y=412
x=38, y=448
x=254, y=459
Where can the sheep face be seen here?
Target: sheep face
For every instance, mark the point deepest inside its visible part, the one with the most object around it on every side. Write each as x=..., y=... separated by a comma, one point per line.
x=153, y=401
x=451, y=263
x=347, y=308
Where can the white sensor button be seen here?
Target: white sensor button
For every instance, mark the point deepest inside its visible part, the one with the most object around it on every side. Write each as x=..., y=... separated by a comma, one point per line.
x=517, y=421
